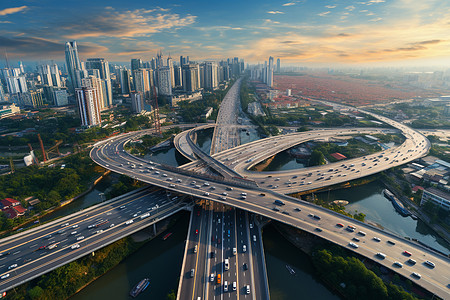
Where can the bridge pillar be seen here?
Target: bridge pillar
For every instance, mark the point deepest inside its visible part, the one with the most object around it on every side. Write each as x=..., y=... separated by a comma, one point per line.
x=154, y=229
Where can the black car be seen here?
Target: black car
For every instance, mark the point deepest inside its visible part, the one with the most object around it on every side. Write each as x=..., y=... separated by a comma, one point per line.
x=213, y=254
x=391, y=242
x=245, y=266
x=316, y=217
x=278, y=202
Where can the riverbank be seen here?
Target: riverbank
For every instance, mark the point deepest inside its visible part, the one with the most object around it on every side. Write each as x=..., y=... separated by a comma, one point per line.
x=328, y=259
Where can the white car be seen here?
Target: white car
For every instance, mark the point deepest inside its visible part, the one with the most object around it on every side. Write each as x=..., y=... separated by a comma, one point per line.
x=80, y=238
x=12, y=266
x=211, y=278
x=5, y=276
x=75, y=246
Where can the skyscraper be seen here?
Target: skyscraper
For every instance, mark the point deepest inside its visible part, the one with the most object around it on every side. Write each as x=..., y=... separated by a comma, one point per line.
x=142, y=82
x=136, y=63
x=88, y=106
x=278, y=65
x=125, y=81
x=98, y=88
x=270, y=72
x=211, y=81
x=56, y=78
x=46, y=76
x=73, y=65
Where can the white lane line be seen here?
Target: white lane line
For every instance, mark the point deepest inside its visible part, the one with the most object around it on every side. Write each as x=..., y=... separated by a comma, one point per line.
x=16, y=252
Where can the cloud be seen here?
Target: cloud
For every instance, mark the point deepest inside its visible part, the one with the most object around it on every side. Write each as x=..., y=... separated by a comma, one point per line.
x=323, y=14
x=12, y=10
x=350, y=8
x=113, y=23
x=343, y=34
x=5, y=22
x=330, y=6
x=32, y=47
x=275, y=12
x=289, y=4
x=375, y=19
x=429, y=42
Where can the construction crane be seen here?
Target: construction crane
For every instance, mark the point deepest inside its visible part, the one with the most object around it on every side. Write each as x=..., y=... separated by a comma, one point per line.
x=156, y=112
x=42, y=148
x=54, y=149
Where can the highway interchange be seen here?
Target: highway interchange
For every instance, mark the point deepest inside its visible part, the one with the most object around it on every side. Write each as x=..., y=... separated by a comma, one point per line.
x=259, y=200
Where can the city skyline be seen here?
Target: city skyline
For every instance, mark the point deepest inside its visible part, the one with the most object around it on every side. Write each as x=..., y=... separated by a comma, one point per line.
x=329, y=33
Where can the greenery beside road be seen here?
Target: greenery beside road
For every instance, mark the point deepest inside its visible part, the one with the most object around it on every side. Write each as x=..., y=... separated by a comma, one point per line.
x=51, y=185
x=349, y=276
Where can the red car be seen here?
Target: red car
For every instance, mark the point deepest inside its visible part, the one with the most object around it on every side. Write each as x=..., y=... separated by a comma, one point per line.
x=407, y=253
x=339, y=225
x=196, y=231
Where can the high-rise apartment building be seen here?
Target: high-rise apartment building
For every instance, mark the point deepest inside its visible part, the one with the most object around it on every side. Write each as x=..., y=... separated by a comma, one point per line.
x=137, y=102
x=46, y=76
x=164, y=81
x=56, y=76
x=191, y=77
x=142, y=81
x=211, y=81
x=102, y=66
x=98, y=88
x=88, y=106
x=73, y=65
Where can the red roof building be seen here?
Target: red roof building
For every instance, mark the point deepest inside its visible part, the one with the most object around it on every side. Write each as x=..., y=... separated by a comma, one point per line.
x=338, y=156
x=12, y=208
x=9, y=203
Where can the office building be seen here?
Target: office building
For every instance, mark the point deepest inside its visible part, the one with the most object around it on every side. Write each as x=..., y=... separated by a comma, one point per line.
x=56, y=76
x=46, y=76
x=125, y=81
x=136, y=64
x=60, y=97
x=16, y=84
x=270, y=73
x=32, y=98
x=88, y=106
x=73, y=65
x=211, y=81
x=278, y=65
x=143, y=81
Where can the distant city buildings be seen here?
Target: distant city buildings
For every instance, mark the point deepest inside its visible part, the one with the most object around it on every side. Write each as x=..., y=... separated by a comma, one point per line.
x=137, y=102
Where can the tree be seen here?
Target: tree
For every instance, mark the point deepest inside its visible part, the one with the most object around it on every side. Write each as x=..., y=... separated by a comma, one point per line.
x=317, y=158
x=303, y=128
x=36, y=293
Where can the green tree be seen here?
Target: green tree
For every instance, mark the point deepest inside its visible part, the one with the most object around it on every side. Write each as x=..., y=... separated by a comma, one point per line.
x=317, y=158
x=36, y=293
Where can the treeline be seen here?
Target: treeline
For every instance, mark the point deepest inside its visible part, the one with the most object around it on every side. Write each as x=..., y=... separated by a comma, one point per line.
x=66, y=280
x=353, y=280
x=49, y=185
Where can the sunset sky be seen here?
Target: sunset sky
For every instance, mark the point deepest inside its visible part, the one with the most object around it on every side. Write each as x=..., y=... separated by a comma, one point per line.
x=307, y=32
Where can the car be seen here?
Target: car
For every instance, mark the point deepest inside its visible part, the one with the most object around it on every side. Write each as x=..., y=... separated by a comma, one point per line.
x=247, y=289
x=251, y=225
x=416, y=275
x=4, y=254
x=192, y=273
x=245, y=266
x=398, y=264
x=318, y=229
x=234, y=285
x=350, y=229
x=351, y=244
x=355, y=239
x=407, y=253
x=122, y=207
x=340, y=225
x=286, y=213
x=381, y=255
x=205, y=194
x=310, y=215
x=297, y=209
x=211, y=278
x=429, y=264
x=73, y=232
x=316, y=217
x=135, y=215
x=225, y=286
x=279, y=202
x=411, y=261
x=223, y=198
x=376, y=239
x=391, y=242
x=80, y=238
x=172, y=185
x=4, y=276
x=75, y=246
x=362, y=233
x=225, y=194
x=112, y=225
x=12, y=266
x=254, y=238
x=164, y=175
x=196, y=231
x=213, y=254
x=244, y=248
x=276, y=209
x=64, y=225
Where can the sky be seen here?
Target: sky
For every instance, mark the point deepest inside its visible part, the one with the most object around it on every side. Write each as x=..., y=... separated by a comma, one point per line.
x=305, y=32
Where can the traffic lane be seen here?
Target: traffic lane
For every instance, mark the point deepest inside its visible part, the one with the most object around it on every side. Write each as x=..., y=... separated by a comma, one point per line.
x=64, y=255
x=56, y=233
x=244, y=255
x=201, y=236
x=45, y=229
x=188, y=283
x=258, y=264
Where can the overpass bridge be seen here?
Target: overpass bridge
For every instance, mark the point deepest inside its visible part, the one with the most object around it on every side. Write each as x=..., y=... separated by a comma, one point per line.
x=92, y=228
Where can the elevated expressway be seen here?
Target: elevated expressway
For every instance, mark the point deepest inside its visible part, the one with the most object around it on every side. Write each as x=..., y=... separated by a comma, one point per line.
x=26, y=249
x=110, y=154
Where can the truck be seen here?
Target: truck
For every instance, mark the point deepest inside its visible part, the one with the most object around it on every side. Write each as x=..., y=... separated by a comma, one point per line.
x=227, y=264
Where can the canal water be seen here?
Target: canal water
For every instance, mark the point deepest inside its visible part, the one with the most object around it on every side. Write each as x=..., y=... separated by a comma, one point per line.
x=282, y=285
x=369, y=200
x=158, y=260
